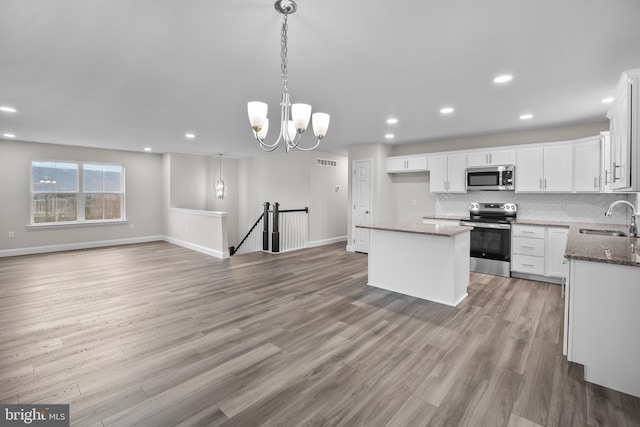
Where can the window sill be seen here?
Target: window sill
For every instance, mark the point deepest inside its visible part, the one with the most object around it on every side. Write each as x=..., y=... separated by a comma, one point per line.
x=50, y=225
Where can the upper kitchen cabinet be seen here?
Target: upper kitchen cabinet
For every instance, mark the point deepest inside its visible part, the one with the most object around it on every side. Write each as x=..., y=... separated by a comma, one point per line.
x=402, y=164
x=545, y=169
x=448, y=173
x=623, y=125
x=587, y=165
x=491, y=158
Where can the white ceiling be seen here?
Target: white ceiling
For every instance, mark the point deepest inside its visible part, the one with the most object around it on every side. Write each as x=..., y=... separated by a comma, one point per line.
x=126, y=74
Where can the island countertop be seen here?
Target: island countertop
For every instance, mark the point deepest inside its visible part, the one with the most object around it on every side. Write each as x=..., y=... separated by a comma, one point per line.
x=418, y=228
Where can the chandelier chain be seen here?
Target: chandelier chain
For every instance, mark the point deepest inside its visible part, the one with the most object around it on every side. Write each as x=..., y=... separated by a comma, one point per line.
x=283, y=53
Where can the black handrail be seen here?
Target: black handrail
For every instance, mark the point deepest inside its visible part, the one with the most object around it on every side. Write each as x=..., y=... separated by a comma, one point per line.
x=233, y=249
x=275, y=234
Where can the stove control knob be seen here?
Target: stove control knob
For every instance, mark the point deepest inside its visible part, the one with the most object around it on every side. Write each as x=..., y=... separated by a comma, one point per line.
x=474, y=206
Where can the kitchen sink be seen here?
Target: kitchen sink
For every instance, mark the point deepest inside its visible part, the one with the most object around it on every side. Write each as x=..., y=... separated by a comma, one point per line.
x=602, y=232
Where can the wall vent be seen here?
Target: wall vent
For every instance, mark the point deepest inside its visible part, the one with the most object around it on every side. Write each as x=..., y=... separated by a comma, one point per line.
x=327, y=163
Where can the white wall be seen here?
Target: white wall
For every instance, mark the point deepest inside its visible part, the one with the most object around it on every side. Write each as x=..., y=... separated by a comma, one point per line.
x=295, y=181
x=143, y=197
x=191, y=182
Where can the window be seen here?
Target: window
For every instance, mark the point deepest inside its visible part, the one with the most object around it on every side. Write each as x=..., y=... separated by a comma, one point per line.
x=63, y=192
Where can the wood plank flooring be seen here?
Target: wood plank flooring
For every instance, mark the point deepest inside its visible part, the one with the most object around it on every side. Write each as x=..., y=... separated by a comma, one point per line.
x=158, y=335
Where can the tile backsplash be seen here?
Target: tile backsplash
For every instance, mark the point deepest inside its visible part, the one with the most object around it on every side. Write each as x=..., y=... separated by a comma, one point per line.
x=545, y=207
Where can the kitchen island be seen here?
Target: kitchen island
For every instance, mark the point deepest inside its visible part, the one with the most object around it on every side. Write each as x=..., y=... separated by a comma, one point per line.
x=427, y=261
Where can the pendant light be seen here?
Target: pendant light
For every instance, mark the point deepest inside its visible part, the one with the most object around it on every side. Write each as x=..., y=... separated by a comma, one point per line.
x=219, y=186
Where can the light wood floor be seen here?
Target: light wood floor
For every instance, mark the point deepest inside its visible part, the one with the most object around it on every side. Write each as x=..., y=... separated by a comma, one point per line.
x=157, y=335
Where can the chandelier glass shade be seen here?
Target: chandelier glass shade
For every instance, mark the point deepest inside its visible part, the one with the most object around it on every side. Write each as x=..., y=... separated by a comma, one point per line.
x=219, y=185
x=294, y=118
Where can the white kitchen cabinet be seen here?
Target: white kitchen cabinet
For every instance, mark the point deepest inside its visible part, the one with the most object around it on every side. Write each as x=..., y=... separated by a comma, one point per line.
x=555, y=245
x=527, y=249
x=623, y=125
x=538, y=252
x=587, y=166
x=605, y=157
x=545, y=169
x=403, y=164
x=602, y=321
x=491, y=158
x=448, y=173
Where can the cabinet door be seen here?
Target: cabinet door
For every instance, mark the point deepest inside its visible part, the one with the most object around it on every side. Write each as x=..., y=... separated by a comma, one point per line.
x=480, y=158
x=586, y=161
x=503, y=157
x=620, y=142
x=558, y=168
x=457, y=173
x=556, y=243
x=606, y=162
x=395, y=164
x=529, y=170
x=438, y=174
x=417, y=164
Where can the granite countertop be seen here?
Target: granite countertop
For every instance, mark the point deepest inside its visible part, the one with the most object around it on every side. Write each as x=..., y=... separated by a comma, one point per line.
x=449, y=217
x=606, y=249
x=418, y=228
x=586, y=247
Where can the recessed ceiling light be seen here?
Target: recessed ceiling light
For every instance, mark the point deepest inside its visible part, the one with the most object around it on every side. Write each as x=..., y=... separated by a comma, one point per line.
x=190, y=135
x=392, y=121
x=503, y=79
x=389, y=136
x=446, y=110
x=7, y=109
x=8, y=135
x=526, y=116
x=147, y=148
x=607, y=100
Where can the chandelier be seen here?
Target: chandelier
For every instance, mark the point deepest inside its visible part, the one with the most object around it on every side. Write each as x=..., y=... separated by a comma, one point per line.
x=294, y=119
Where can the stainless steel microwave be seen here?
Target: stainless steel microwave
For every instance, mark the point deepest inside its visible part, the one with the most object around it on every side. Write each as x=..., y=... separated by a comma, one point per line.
x=491, y=178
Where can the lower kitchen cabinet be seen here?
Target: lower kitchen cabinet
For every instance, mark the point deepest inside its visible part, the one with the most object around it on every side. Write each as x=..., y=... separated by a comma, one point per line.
x=537, y=252
x=601, y=323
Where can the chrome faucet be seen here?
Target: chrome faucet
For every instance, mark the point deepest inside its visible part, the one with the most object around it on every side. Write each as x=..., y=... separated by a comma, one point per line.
x=633, y=228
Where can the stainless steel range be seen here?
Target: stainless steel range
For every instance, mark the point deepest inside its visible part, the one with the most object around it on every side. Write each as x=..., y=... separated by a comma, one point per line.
x=491, y=237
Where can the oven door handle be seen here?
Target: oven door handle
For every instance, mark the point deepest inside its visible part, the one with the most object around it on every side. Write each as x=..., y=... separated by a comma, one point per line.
x=486, y=225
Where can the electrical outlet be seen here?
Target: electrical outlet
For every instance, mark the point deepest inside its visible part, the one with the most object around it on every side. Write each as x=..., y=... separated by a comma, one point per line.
x=413, y=202
x=132, y=226
x=12, y=234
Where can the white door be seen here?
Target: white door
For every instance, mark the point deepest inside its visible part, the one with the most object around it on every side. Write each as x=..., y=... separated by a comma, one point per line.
x=361, y=197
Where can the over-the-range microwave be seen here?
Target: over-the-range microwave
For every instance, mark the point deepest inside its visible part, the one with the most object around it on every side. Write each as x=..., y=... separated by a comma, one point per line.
x=491, y=178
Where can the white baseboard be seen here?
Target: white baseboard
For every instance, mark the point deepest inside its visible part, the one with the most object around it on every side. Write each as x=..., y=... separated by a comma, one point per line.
x=76, y=246
x=316, y=243
x=197, y=248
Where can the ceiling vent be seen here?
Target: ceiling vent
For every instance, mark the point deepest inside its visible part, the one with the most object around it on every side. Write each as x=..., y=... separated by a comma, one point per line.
x=327, y=163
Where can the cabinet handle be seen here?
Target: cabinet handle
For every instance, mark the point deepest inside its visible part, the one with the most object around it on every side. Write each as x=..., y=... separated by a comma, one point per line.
x=614, y=172
x=541, y=184
x=490, y=158
x=528, y=232
x=545, y=183
x=528, y=265
x=606, y=177
x=528, y=247
x=595, y=182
